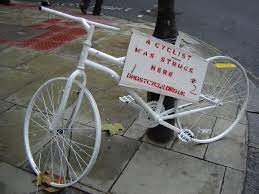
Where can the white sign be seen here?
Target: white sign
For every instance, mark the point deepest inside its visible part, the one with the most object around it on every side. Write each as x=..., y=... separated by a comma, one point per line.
x=160, y=67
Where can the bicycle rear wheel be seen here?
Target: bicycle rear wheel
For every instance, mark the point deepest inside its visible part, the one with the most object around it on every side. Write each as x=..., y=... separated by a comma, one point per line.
x=68, y=151
x=227, y=87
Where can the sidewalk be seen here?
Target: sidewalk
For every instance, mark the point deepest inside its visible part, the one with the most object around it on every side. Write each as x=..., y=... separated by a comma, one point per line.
x=35, y=47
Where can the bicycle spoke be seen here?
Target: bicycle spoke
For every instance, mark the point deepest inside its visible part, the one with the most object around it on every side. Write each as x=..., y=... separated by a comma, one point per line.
x=75, y=152
x=40, y=152
x=51, y=101
x=77, y=145
x=81, y=144
x=83, y=135
x=66, y=159
x=46, y=109
x=46, y=119
x=85, y=125
x=234, y=101
x=52, y=97
x=59, y=97
x=37, y=131
x=61, y=168
x=229, y=89
x=195, y=122
x=52, y=163
x=48, y=156
x=227, y=80
x=39, y=160
x=66, y=152
x=215, y=88
x=235, y=95
x=72, y=129
x=39, y=125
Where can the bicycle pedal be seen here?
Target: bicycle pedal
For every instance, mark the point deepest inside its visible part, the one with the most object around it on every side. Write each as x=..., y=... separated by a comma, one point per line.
x=130, y=101
x=186, y=135
x=127, y=99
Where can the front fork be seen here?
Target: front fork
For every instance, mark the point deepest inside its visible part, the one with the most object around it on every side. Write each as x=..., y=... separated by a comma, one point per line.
x=77, y=73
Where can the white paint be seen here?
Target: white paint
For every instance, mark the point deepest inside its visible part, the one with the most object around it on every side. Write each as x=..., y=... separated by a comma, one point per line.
x=156, y=75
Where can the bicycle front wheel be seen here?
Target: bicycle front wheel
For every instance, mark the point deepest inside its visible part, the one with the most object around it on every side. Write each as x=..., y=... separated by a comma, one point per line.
x=226, y=87
x=68, y=151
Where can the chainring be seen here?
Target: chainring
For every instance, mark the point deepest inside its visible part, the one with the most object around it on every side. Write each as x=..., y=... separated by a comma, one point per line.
x=147, y=119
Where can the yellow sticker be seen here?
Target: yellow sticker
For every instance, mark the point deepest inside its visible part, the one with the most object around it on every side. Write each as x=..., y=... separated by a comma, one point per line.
x=225, y=65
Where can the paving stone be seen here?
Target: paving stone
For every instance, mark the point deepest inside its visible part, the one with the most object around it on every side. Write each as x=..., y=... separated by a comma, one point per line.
x=11, y=144
x=67, y=190
x=13, y=57
x=14, y=180
x=49, y=64
x=114, y=154
x=86, y=189
x=24, y=95
x=17, y=32
x=28, y=17
x=253, y=133
x=38, y=68
x=192, y=149
x=253, y=103
x=230, y=150
x=112, y=110
x=136, y=130
x=197, y=123
x=147, y=28
x=36, y=15
x=3, y=46
x=167, y=145
x=71, y=49
x=4, y=106
x=100, y=33
x=233, y=182
x=115, y=44
x=12, y=80
x=156, y=170
x=97, y=81
x=243, y=120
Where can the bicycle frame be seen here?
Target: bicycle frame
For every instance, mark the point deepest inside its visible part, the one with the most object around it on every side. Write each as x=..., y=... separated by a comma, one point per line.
x=62, y=121
x=157, y=115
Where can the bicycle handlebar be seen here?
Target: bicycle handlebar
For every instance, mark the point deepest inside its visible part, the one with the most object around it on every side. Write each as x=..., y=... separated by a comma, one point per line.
x=81, y=20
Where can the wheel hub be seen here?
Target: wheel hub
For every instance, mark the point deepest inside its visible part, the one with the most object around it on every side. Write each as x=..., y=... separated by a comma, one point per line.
x=60, y=131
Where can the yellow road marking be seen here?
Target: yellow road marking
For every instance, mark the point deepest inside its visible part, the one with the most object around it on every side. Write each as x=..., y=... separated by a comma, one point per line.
x=225, y=65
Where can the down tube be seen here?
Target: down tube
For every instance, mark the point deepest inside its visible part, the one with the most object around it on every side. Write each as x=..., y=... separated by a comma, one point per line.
x=130, y=91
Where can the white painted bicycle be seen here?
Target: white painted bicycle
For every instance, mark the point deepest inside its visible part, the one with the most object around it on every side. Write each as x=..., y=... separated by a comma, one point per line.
x=62, y=129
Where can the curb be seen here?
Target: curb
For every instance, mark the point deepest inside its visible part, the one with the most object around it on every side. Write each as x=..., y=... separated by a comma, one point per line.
x=251, y=183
